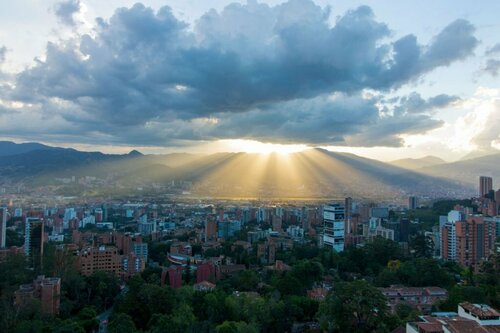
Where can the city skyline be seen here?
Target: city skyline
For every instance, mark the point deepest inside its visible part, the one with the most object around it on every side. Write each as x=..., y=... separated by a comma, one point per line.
x=169, y=76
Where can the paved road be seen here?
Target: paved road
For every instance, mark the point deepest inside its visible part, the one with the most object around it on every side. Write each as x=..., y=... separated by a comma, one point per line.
x=103, y=317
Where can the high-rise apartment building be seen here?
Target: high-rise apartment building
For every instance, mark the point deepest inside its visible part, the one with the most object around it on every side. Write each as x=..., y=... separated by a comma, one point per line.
x=475, y=240
x=3, y=227
x=348, y=215
x=449, y=235
x=485, y=185
x=334, y=227
x=103, y=258
x=33, y=240
x=210, y=229
x=47, y=290
x=412, y=202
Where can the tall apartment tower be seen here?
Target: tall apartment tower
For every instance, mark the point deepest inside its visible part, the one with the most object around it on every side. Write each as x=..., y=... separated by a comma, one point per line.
x=3, y=226
x=33, y=240
x=475, y=240
x=449, y=235
x=412, y=202
x=210, y=229
x=485, y=185
x=348, y=215
x=334, y=227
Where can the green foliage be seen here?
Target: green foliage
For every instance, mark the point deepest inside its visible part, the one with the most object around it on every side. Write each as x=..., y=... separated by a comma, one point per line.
x=13, y=238
x=68, y=326
x=18, y=273
x=180, y=321
x=290, y=285
x=354, y=307
x=102, y=288
x=423, y=272
x=406, y=312
x=460, y=294
x=121, y=323
x=158, y=251
x=86, y=318
x=144, y=300
x=421, y=246
x=236, y=327
x=247, y=280
x=442, y=207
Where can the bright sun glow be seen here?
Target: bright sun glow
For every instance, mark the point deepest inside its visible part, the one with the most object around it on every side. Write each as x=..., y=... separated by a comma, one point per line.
x=251, y=146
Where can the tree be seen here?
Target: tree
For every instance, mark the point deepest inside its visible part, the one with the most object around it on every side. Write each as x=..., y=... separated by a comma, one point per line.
x=236, y=327
x=144, y=300
x=247, y=280
x=406, y=312
x=13, y=238
x=87, y=319
x=422, y=246
x=68, y=326
x=308, y=271
x=180, y=321
x=121, y=323
x=290, y=285
x=459, y=294
x=424, y=272
x=102, y=288
x=354, y=307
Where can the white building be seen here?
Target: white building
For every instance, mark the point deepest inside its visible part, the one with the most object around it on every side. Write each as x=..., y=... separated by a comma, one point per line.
x=451, y=240
x=334, y=226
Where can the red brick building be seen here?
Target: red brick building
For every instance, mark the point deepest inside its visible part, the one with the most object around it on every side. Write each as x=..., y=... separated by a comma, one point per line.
x=475, y=240
x=47, y=290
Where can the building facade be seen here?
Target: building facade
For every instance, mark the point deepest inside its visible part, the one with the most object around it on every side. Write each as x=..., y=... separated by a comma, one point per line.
x=334, y=227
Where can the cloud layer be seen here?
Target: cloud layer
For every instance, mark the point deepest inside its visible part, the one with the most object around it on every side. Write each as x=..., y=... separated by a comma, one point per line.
x=275, y=74
x=66, y=10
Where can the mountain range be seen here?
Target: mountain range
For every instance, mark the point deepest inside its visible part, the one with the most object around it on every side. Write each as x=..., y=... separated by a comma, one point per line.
x=417, y=163
x=311, y=173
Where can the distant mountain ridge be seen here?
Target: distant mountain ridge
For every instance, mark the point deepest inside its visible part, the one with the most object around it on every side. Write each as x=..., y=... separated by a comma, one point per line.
x=310, y=173
x=468, y=171
x=417, y=163
x=10, y=148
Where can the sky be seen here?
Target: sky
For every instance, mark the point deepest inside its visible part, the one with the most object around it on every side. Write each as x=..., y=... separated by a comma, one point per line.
x=382, y=79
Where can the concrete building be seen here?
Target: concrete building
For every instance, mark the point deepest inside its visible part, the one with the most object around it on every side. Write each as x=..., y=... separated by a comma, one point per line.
x=3, y=227
x=470, y=318
x=147, y=228
x=482, y=314
x=475, y=240
x=334, y=227
x=47, y=290
x=33, y=240
x=412, y=202
x=103, y=258
x=418, y=298
x=141, y=250
x=227, y=229
x=210, y=230
x=132, y=264
x=485, y=185
x=449, y=235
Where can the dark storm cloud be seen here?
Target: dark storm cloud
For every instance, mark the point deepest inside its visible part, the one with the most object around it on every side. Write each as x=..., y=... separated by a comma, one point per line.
x=414, y=103
x=495, y=49
x=65, y=10
x=492, y=67
x=146, y=76
x=3, y=52
x=324, y=120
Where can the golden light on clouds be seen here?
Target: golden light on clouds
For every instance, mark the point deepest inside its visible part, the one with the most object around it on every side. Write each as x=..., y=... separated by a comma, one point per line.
x=256, y=147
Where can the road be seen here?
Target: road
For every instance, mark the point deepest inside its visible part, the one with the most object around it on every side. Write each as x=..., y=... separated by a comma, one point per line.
x=103, y=317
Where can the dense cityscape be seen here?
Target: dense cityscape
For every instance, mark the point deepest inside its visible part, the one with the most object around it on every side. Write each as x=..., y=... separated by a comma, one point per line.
x=246, y=166
x=158, y=266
